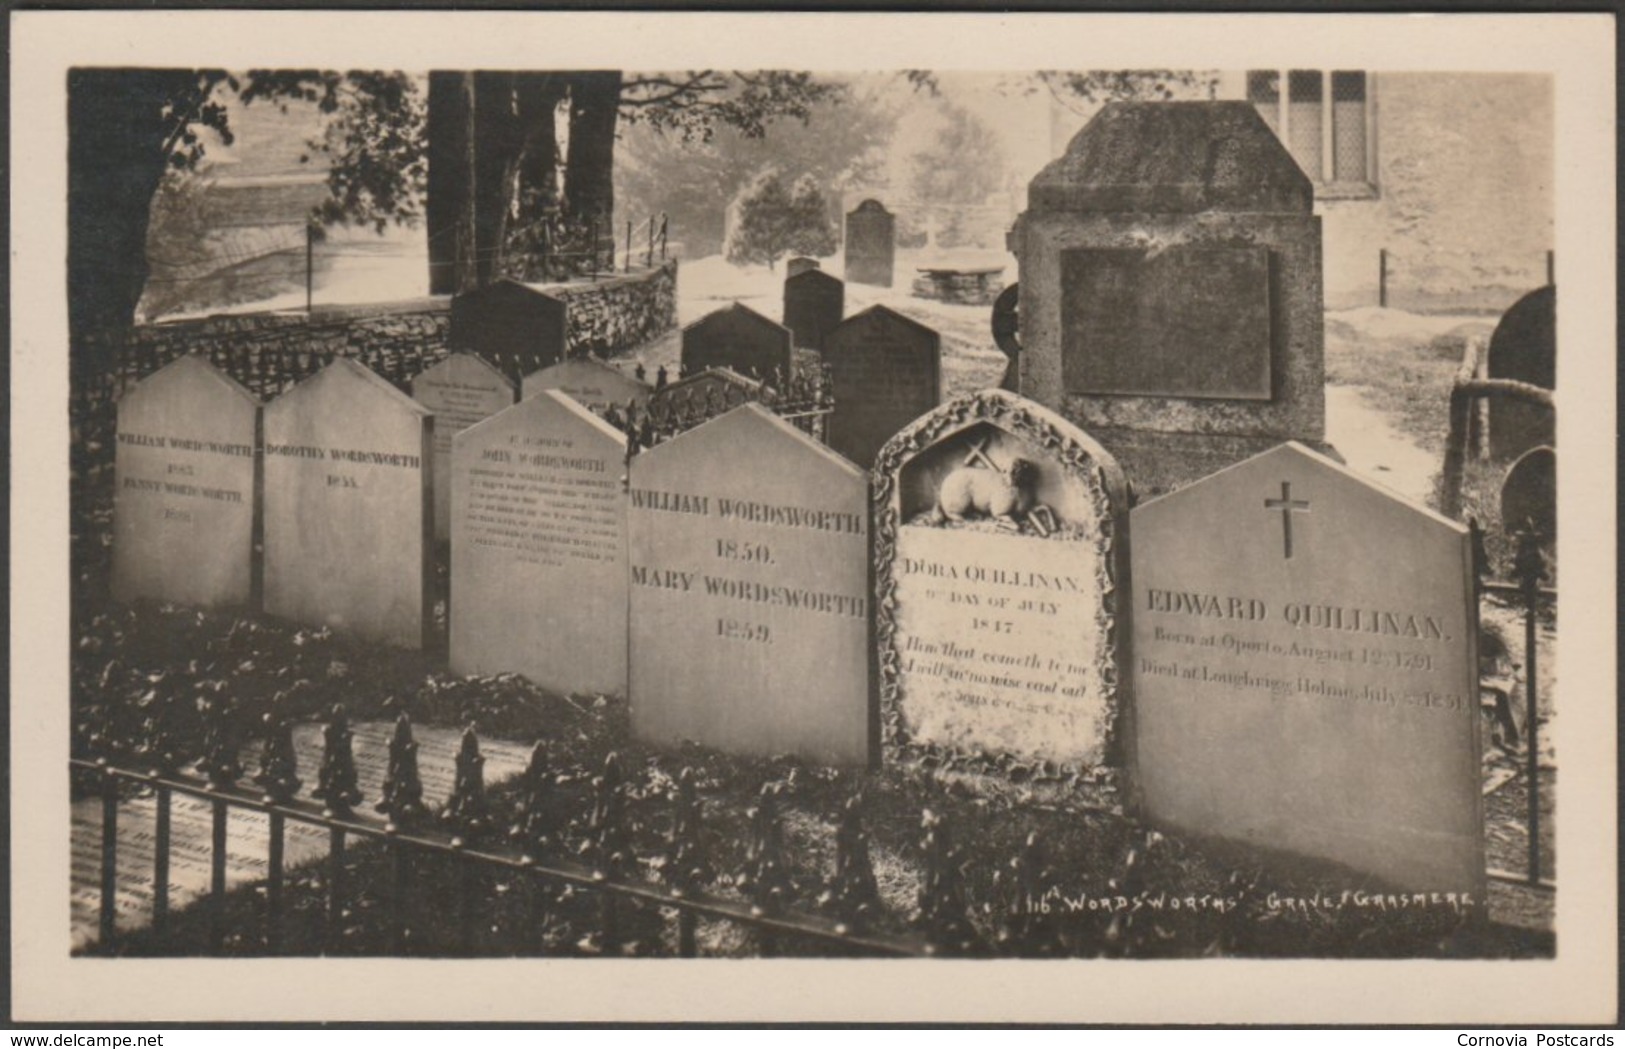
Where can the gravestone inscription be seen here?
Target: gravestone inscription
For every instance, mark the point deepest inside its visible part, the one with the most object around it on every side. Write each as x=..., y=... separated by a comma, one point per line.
x=886, y=371
x=871, y=244
x=349, y=523
x=737, y=337
x=749, y=560
x=998, y=549
x=538, y=547
x=460, y=390
x=1304, y=669
x=813, y=304
x=1524, y=347
x=185, y=469
x=589, y=381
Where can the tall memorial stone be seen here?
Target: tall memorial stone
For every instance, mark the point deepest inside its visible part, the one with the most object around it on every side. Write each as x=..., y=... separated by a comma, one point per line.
x=461, y=390
x=886, y=371
x=737, y=337
x=589, y=381
x=1305, y=674
x=518, y=327
x=749, y=559
x=1524, y=347
x=871, y=244
x=1170, y=289
x=813, y=305
x=349, y=521
x=538, y=547
x=999, y=552
x=799, y=264
x=185, y=470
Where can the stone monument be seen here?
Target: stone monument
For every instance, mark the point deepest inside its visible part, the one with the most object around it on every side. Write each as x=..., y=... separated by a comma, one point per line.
x=589, y=381
x=1170, y=289
x=886, y=370
x=515, y=326
x=1524, y=347
x=460, y=390
x=737, y=337
x=871, y=244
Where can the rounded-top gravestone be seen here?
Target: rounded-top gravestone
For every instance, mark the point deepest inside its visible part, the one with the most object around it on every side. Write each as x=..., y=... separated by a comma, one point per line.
x=999, y=547
x=1524, y=348
x=871, y=244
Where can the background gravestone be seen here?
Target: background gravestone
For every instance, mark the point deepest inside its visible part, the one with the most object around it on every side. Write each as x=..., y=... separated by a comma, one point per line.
x=813, y=305
x=1170, y=289
x=514, y=325
x=538, y=547
x=799, y=264
x=871, y=244
x=737, y=337
x=185, y=472
x=460, y=390
x=587, y=380
x=1305, y=674
x=749, y=553
x=349, y=523
x=886, y=371
x=1524, y=347
x=1529, y=495
x=998, y=640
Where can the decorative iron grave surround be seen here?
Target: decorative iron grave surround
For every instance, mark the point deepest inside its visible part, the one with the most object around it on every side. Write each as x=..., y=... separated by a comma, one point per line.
x=1075, y=460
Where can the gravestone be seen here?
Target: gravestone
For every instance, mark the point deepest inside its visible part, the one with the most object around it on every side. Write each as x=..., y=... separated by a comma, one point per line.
x=722, y=388
x=737, y=337
x=1529, y=495
x=185, y=472
x=538, y=547
x=999, y=623
x=813, y=305
x=518, y=327
x=1170, y=289
x=799, y=264
x=1524, y=347
x=886, y=371
x=589, y=381
x=349, y=523
x=1304, y=670
x=871, y=244
x=460, y=390
x=749, y=554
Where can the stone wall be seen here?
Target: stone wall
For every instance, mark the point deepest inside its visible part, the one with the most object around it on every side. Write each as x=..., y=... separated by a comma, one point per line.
x=396, y=339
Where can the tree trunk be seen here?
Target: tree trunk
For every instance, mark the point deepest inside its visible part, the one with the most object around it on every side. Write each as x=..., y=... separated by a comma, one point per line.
x=499, y=151
x=118, y=149
x=589, y=165
x=449, y=208
x=538, y=95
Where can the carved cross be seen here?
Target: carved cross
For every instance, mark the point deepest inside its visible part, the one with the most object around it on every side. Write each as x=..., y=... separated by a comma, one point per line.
x=1287, y=505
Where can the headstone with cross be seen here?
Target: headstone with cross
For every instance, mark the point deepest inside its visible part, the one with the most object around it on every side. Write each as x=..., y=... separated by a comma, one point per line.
x=1305, y=672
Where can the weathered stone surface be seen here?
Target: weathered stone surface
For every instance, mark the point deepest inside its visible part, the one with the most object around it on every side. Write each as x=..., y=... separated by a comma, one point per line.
x=1529, y=494
x=886, y=370
x=588, y=381
x=518, y=327
x=1166, y=157
x=1184, y=322
x=538, y=547
x=999, y=643
x=749, y=554
x=814, y=303
x=461, y=390
x=1170, y=287
x=349, y=506
x=737, y=337
x=722, y=387
x=185, y=472
x=871, y=244
x=1524, y=347
x=1305, y=674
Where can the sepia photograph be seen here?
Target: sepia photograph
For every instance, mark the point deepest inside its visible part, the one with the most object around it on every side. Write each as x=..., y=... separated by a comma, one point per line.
x=623, y=489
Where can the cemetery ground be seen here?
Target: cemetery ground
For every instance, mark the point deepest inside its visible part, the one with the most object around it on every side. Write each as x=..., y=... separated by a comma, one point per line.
x=1389, y=375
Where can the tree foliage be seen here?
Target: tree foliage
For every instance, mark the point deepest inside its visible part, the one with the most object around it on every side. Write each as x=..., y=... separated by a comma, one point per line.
x=774, y=220
x=963, y=164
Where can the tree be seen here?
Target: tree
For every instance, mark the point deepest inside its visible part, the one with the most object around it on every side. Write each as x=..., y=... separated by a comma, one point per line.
x=963, y=164
x=127, y=127
x=774, y=221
